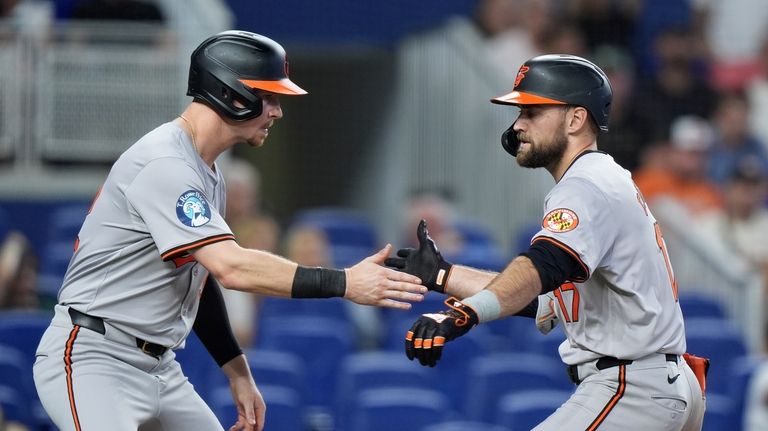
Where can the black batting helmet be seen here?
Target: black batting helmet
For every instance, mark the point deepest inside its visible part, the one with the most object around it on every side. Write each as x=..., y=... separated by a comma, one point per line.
x=229, y=66
x=558, y=79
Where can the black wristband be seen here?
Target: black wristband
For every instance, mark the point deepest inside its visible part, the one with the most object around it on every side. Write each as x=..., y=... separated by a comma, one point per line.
x=318, y=283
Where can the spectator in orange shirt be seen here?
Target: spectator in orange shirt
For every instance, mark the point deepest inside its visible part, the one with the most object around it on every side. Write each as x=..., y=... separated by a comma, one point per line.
x=678, y=170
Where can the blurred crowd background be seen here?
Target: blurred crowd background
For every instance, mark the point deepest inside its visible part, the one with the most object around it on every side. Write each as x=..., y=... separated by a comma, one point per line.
x=397, y=127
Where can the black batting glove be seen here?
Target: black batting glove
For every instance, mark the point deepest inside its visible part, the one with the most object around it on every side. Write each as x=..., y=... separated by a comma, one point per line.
x=427, y=336
x=425, y=262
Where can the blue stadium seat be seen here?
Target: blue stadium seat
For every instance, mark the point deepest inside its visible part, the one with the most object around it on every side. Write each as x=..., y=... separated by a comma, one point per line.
x=388, y=409
x=695, y=305
x=276, y=368
x=521, y=411
x=321, y=342
x=741, y=372
x=330, y=307
x=198, y=365
x=55, y=258
x=464, y=426
x=720, y=414
x=720, y=341
x=379, y=369
x=15, y=406
x=65, y=221
x=546, y=344
x=494, y=376
x=474, y=234
x=284, y=408
x=22, y=330
x=5, y=224
x=351, y=234
x=15, y=372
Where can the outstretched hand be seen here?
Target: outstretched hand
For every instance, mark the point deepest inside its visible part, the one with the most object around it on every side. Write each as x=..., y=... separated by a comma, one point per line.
x=370, y=283
x=425, y=262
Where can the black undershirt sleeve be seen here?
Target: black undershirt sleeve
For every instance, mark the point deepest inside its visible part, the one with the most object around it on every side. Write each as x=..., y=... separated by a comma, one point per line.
x=212, y=325
x=554, y=265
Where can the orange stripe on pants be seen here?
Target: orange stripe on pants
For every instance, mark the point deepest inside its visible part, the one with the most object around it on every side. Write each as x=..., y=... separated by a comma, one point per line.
x=613, y=401
x=68, y=369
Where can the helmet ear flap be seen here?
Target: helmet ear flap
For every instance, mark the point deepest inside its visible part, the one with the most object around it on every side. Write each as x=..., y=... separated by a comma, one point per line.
x=509, y=141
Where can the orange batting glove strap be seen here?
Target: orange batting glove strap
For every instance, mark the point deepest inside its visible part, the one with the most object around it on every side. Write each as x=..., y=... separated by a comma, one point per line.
x=426, y=338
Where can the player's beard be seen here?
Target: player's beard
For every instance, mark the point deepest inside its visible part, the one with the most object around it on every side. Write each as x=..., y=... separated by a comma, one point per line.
x=544, y=154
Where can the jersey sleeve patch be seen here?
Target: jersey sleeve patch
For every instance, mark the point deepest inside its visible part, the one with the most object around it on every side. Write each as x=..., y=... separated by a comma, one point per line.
x=192, y=209
x=560, y=220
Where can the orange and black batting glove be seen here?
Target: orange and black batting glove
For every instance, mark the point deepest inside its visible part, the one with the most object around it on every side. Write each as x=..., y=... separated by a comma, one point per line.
x=427, y=336
x=425, y=262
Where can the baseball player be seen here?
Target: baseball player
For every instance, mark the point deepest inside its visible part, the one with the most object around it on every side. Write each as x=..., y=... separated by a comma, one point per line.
x=599, y=257
x=139, y=278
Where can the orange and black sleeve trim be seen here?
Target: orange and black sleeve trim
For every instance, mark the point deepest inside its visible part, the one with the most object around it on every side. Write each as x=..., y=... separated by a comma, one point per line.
x=555, y=262
x=183, y=249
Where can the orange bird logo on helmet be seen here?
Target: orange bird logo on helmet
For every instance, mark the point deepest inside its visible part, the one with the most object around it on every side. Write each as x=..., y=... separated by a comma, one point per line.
x=521, y=75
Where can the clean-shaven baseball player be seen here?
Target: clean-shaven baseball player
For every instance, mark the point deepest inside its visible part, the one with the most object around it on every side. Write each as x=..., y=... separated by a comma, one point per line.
x=140, y=278
x=599, y=255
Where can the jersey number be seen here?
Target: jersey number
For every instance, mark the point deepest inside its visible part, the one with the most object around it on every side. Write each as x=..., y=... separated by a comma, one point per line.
x=663, y=247
x=573, y=316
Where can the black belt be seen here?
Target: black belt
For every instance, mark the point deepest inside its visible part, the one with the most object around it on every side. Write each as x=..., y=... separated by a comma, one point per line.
x=608, y=362
x=96, y=324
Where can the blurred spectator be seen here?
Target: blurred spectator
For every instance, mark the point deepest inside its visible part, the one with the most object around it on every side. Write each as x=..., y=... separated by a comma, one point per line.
x=733, y=139
x=733, y=31
x=122, y=10
x=627, y=137
x=7, y=7
x=675, y=89
x=604, y=21
x=679, y=170
x=435, y=205
x=757, y=92
x=253, y=229
x=308, y=246
x=18, y=274
x=742, y=226
x=653, y=18
x=563, y=37
x=756, y=409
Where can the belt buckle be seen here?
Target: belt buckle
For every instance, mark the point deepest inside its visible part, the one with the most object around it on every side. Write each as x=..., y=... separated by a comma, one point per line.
x=145, y=345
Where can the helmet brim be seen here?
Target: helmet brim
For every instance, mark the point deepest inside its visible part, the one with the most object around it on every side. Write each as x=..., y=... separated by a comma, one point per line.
x=522, y=98
x=282, y=86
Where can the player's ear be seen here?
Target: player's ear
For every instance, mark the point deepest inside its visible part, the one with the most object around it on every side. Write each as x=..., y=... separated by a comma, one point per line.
x=578, y=120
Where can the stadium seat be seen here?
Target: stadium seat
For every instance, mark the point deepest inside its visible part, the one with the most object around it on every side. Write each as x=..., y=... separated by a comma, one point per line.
x=22, y=330
x=521, y=411
x=720, y=414
x=276, y=368
x=388, y=409
x=695, y=305
x=721, y=342
x=741, y=372
x=284, y=408
x=15, y=372
x=373, y=370
x=494, y=376
x=546, y=344
x=464, y=426
x=321, y=342
x=351, y=235
x=198, y=365
x=330, y=307
x=65, y=221
x=15, y=407
x=55, y=258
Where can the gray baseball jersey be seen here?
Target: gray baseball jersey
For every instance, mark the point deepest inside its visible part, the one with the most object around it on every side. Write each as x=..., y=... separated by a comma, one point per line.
x=131, y=265
x=624, y=307
x=132, y=269
x=627, y=305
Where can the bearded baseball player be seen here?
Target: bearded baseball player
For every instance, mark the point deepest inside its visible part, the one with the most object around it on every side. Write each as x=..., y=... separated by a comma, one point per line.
x=599, y=258
x=141, y=276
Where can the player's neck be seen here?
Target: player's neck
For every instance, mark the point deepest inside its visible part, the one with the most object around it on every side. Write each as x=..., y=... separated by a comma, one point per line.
x=574, y=150
x=198, y=127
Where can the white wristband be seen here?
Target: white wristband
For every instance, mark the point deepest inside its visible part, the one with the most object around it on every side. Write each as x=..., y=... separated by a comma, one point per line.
x=486, y=305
